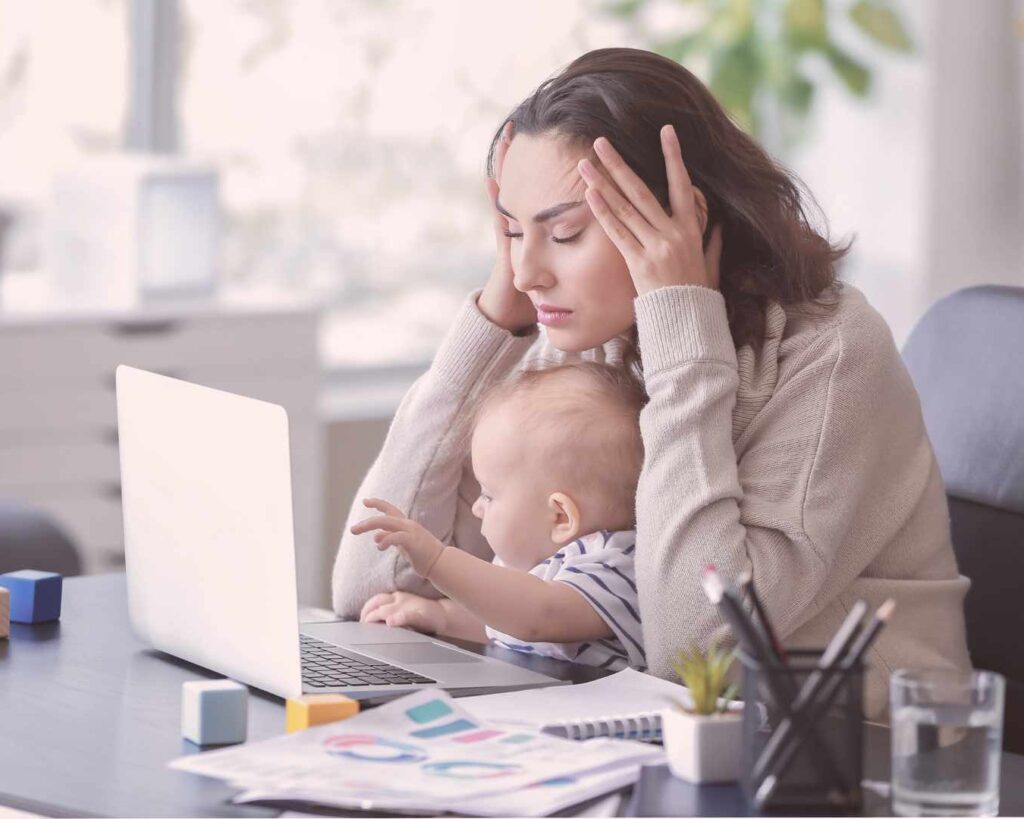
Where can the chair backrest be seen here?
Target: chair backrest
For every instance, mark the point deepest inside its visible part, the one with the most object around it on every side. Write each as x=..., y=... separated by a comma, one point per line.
x=965, y=357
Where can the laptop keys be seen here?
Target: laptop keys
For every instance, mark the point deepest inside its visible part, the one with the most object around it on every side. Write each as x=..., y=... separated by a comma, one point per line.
x=325, y=665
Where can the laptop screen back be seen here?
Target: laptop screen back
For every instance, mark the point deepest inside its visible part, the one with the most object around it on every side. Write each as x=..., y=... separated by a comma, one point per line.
x=209, y=543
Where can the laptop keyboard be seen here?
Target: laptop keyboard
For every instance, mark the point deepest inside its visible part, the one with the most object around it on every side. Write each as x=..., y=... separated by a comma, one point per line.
x=325, y=665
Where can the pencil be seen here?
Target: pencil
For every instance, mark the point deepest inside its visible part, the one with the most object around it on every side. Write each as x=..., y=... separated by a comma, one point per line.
x=829, y=690
x=746, y=581
x=728, y=602
x=834, y=651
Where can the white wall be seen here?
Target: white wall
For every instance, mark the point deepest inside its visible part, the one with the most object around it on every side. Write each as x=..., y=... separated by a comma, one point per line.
x=927, y=173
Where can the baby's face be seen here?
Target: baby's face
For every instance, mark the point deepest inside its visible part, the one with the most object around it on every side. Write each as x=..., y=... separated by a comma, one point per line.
x=517, y=520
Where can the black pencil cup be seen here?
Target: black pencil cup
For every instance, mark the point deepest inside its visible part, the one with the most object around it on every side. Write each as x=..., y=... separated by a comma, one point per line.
x=802, y=754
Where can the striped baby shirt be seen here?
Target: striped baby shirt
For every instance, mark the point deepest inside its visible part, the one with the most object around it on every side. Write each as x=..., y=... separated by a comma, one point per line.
x=600, y=567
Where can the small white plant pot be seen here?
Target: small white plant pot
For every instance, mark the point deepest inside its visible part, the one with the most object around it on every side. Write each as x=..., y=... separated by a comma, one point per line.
x=703, y=748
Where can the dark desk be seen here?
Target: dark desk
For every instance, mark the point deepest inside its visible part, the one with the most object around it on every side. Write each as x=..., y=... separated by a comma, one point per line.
x=89, y=719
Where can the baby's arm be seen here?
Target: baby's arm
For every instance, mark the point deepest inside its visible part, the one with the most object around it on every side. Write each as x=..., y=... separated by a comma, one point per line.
x=517, y=603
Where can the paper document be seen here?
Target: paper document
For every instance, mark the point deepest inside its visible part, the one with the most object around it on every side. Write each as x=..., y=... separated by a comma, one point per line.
x=426, y=751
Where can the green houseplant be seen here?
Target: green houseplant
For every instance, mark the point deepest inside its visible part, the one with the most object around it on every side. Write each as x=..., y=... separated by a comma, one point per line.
x=757, y=54
x=703, y=737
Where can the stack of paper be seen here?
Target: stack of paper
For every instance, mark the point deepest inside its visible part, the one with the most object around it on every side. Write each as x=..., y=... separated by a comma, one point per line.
x=426, y=752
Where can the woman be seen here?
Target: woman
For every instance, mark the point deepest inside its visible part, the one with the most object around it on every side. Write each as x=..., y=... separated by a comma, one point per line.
x=782, y=433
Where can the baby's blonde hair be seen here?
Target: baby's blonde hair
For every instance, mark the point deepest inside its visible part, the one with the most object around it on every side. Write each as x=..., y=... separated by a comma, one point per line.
x=593, y=411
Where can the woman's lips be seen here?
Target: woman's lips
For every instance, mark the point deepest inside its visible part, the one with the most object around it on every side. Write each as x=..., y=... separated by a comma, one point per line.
x=552, y=317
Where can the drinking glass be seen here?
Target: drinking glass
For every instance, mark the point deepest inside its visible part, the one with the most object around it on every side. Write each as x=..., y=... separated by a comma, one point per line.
x=947, y=733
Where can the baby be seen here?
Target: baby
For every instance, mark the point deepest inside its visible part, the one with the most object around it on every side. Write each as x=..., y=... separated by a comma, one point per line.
x=557, y=453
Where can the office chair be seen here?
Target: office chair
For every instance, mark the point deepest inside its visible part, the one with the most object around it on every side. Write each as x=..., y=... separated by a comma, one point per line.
x=965, y=358
x=30, y=539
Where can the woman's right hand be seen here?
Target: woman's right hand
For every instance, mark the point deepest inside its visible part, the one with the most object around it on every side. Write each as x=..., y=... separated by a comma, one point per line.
x=500, y=301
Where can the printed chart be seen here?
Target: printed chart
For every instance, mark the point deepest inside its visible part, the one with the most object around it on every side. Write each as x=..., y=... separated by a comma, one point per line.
x=422, y=750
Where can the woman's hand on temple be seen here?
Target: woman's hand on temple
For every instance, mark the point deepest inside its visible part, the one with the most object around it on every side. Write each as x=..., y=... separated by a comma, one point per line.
x=660, y=249
x=500, y=301
x=419, y=546
x=406, y=610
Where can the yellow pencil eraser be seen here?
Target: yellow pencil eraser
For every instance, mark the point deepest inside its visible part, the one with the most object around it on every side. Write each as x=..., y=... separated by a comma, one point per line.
x=316, y=709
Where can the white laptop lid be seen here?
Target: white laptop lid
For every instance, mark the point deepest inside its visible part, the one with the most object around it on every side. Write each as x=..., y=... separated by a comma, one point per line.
x=209, y=544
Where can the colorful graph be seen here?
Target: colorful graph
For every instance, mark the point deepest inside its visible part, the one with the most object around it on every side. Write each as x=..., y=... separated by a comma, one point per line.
x=470, y=770
x=371, y=748
x=453, y=727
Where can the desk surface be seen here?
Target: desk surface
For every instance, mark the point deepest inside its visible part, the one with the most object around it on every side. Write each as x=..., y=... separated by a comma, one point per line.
x=90, y=717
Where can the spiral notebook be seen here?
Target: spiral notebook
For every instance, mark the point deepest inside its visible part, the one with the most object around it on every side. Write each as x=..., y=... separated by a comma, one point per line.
x=625, y=705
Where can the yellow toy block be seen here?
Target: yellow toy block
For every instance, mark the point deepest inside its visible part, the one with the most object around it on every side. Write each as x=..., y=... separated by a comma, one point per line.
x=316, y=709
x=5, y=612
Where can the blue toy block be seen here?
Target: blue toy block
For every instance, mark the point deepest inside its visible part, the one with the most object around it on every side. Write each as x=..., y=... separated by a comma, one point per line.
x=214, y=712
x=35, y=596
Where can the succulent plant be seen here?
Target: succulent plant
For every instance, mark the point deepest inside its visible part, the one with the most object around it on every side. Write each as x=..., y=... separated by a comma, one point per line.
x=704, y=674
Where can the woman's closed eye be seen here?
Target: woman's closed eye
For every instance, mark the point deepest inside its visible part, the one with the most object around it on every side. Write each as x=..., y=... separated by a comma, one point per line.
x=561, y=241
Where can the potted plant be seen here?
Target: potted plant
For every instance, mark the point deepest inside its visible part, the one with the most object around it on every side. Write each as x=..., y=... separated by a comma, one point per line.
x=703, y=738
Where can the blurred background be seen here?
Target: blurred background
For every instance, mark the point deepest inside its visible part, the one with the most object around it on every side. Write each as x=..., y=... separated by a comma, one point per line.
x=285, y=198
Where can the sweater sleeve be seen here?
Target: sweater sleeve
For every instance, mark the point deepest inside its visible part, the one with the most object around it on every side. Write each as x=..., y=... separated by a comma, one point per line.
x=423, y=466
x=786, y=509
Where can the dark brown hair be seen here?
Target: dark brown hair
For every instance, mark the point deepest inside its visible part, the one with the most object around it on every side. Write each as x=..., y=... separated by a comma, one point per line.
x=770, y=250
x=592, y=410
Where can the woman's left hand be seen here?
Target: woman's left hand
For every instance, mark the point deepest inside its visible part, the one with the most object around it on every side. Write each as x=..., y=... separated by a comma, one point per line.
x=660, y=250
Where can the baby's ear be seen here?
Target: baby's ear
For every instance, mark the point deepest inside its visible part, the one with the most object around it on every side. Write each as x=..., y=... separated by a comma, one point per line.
x=565, y=515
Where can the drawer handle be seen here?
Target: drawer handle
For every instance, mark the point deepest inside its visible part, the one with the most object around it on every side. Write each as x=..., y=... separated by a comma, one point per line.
x=110, y=435
x=112, y=491
x=145, y=328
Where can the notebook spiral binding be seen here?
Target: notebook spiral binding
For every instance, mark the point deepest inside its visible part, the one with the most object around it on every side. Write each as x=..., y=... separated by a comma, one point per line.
x=643, y=727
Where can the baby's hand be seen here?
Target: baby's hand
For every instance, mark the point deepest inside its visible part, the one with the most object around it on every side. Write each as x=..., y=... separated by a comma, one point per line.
x=405, y=609
x=418, y=545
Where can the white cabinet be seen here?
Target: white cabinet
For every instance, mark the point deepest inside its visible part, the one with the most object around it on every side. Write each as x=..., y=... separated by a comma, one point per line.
x=58, y=419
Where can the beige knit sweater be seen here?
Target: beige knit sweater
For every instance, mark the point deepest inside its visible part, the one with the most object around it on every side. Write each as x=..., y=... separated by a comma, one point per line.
x=807, y=463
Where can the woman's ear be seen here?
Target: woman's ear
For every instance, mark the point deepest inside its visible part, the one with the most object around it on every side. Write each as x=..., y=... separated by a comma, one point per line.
x=565, y=518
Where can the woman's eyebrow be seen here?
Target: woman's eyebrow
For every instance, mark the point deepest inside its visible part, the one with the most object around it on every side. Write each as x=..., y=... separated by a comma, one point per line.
x=544, y=215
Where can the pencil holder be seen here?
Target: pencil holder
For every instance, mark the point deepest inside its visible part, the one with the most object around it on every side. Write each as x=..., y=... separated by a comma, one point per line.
x=802, y=752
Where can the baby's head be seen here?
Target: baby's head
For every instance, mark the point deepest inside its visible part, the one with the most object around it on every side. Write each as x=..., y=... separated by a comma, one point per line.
x=557, y=452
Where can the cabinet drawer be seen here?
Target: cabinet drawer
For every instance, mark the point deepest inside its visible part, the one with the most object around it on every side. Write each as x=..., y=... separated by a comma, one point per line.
x=88, y=352
x=90, y=462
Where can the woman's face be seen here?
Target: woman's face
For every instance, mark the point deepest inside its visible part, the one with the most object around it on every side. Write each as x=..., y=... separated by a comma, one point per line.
x=561, y=255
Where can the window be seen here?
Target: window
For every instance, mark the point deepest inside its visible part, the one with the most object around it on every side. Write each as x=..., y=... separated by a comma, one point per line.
x=62, y=95
x=352, y=138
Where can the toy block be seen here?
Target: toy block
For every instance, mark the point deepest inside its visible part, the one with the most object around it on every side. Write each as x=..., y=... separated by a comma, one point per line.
x=5, y=612
x=35, y=596
x=316, y=709
x=214, y=712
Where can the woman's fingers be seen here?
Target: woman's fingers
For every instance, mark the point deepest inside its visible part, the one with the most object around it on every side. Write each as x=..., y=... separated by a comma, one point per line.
x=622, y=237
x=501, y=150
x=680, y=189
x=633, y=188
x=713, y=255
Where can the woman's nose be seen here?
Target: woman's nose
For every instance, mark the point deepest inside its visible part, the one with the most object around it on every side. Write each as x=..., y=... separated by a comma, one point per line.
x=530, y=272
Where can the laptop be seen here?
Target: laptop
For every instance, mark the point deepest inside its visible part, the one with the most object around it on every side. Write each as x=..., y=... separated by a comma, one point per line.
x=210, y=557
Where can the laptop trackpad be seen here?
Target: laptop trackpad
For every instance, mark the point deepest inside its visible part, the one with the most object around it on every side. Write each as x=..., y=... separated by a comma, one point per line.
x=415, y=653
